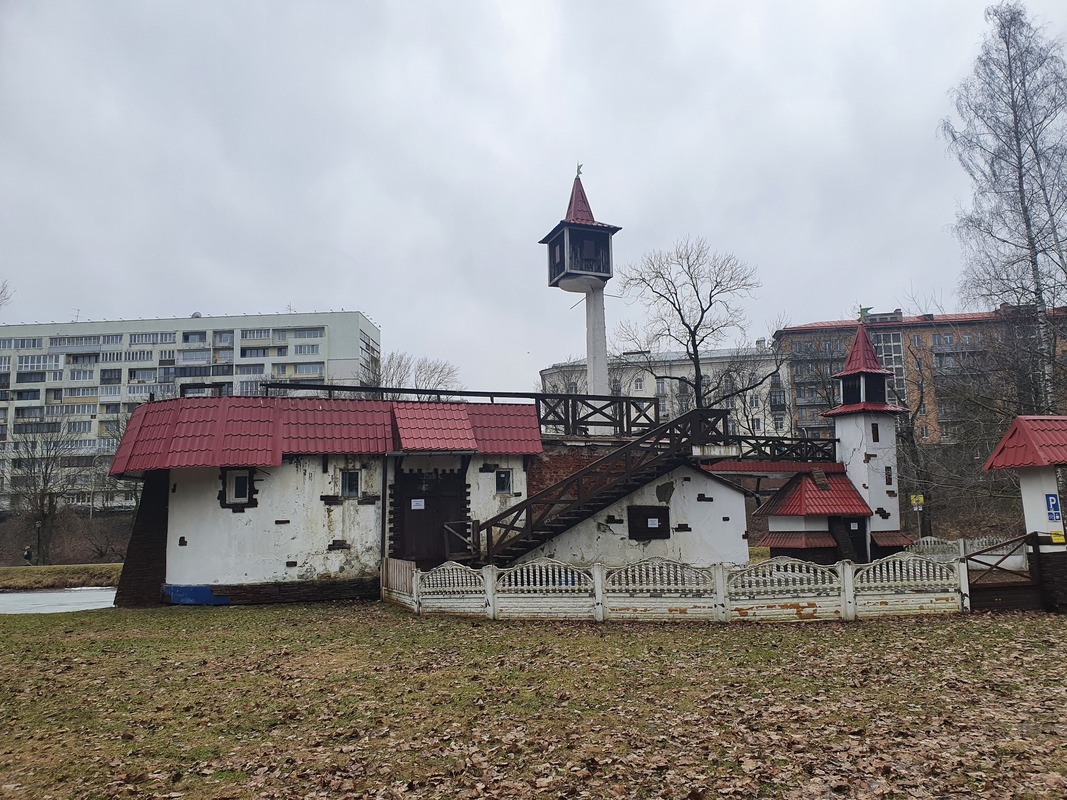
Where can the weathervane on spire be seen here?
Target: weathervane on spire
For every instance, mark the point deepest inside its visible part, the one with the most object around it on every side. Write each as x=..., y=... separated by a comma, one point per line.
x=579, y=170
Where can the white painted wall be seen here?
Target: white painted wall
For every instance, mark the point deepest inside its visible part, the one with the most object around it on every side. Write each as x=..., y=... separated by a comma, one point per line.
x=793, y=524
x=485, y=502
x=223, y=547
x=1034, y=484
x=711, y=540
x=866, y=460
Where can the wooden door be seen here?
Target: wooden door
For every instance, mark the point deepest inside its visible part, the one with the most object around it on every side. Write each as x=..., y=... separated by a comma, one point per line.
x=425, y=502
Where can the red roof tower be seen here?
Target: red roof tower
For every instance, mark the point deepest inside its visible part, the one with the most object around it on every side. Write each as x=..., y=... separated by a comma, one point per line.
x=579, y=247
x=863, y=381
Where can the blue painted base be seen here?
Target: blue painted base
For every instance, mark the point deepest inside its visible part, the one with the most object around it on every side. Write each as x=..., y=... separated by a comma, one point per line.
x=193, y=596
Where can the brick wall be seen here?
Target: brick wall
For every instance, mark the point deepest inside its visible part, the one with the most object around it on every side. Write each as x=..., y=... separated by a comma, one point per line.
x=1053, y=573
x=560, y=461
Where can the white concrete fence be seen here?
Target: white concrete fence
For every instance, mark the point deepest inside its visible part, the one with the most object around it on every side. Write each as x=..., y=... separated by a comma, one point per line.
x=657, y=589
x=951, y=549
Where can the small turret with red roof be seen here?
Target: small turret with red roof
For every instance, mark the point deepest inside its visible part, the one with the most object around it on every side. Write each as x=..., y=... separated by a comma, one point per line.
x=865, y=428
x=579, y=247
x=863, y=381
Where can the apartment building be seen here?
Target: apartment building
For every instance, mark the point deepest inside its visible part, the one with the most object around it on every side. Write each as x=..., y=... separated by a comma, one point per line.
x=728, y=374
x=66, y=387
x=931, y=356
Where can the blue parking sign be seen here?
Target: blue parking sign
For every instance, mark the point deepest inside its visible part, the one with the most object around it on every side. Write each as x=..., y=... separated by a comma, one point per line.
x=1052, y=505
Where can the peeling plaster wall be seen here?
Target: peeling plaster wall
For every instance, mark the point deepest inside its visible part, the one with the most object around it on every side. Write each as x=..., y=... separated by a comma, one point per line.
x=711, y=540
x=223, y=547
x=485, y=502
x=816, y=524
x=865, y=463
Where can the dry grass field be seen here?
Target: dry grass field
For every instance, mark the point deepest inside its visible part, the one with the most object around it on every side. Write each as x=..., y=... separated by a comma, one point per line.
x=354, y=700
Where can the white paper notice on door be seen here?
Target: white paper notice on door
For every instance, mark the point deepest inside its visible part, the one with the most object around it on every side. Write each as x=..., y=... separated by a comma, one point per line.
x=418, y=504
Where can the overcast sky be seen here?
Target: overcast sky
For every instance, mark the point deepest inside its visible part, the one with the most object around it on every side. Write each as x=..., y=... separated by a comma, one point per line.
x=404, y=158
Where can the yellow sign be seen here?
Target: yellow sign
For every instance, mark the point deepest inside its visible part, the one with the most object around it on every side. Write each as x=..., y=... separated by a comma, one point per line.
x=918, y=500
x=1057, y=537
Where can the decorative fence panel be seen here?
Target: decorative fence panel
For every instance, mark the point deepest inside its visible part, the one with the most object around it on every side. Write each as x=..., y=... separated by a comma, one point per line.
x=907, y=584
x=781, y=589
x=452, y=589
x=545, y=589
x=662, y=589
x=785, y=589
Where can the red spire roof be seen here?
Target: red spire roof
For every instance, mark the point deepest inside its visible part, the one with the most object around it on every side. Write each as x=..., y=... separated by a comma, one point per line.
x=1031, y=442
x=862, y=358
x=578, y=209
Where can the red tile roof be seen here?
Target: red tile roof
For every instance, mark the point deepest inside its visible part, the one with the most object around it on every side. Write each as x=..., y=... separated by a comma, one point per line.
x=892, y=539
x=774, y=467
x=1031, y=442
x=433, y=426
x=504, y=429
x=801, y=497
x=258, y=431
x=798, y=540
x=861, y=357
x=854, y=408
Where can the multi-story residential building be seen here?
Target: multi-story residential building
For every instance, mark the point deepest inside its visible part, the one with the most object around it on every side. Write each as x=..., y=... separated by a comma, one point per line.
x=931, y=357
x=66, y=387
x=746, y=380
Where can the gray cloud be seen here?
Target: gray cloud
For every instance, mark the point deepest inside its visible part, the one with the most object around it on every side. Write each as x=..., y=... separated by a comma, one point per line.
x=404, y=158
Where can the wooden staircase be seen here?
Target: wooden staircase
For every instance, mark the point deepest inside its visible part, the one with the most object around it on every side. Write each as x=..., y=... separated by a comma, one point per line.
x=547, y=514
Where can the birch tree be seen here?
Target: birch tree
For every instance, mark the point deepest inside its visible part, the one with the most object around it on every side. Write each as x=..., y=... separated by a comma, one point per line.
x=1010, y=136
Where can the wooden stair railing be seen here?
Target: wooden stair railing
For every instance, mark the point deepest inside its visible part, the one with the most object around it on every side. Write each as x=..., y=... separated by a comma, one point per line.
x=528, y=524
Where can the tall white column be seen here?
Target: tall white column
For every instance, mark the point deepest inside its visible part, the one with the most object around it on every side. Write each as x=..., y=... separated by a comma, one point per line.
x=596, y=341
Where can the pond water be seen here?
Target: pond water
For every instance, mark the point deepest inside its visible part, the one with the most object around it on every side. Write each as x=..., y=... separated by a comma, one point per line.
x=51, y=602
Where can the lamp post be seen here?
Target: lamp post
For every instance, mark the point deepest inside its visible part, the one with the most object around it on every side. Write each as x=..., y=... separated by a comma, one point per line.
x=37, y=525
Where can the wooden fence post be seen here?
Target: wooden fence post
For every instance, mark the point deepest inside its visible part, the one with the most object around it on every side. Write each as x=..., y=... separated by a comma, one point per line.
x=598, y=571
x=489, y=584
x=722, y=613
x=965, y=584
x=847, y=571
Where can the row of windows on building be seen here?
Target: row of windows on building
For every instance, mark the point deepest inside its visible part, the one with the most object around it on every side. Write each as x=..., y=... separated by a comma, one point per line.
x=218, y=338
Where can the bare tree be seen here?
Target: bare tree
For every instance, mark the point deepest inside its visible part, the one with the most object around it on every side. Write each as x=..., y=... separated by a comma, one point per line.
x=401, y=370
x=43, y=471
x=6, y=293
x=1012, y=140
x=691, y=297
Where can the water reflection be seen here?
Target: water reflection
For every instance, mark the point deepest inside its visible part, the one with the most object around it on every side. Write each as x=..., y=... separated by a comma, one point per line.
x=52, y=602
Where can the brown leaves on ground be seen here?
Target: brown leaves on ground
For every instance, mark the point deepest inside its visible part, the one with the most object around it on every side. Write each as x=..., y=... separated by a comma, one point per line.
x=364, y=701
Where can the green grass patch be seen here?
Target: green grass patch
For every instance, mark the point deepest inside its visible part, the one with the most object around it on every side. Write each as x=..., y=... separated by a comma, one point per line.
x=70, y=576
x=362, y=699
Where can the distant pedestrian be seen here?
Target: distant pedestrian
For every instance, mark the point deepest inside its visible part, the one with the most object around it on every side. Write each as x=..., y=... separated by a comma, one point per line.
x=27, y=556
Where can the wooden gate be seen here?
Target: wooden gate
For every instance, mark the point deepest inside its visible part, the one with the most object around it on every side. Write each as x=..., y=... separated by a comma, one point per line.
x=996, y=587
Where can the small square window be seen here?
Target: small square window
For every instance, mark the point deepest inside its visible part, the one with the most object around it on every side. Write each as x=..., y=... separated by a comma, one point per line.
x=350, y=483
x=238, y=489
x=503, y=481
